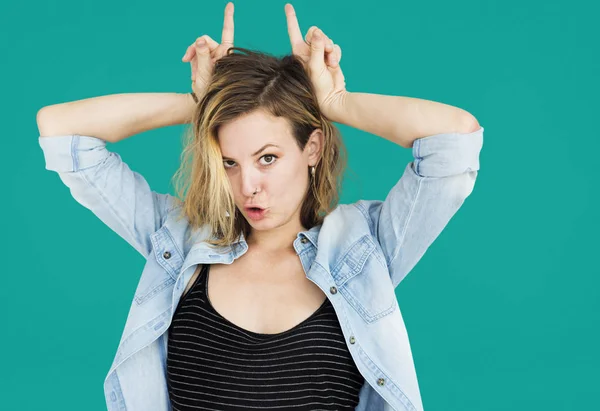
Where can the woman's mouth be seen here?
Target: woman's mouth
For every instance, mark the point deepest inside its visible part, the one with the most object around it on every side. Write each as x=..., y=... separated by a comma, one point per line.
x=255, y=213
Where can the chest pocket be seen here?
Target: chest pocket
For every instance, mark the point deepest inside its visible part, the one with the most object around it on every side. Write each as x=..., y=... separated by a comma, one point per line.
x=162, y=267
x=363, y=279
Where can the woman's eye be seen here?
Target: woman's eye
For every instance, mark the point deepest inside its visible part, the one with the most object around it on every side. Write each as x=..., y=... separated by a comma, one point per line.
x=266, y=160
x=269, y=159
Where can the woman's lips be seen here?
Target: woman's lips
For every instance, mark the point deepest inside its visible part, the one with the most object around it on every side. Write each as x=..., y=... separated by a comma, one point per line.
x=256, y=213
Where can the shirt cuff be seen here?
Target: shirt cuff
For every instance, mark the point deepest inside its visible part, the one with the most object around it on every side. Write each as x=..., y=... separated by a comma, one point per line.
x=70, y=153
x=446, y=154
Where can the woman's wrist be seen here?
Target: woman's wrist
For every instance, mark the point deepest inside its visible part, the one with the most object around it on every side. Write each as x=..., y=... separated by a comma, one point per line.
x=189, y=106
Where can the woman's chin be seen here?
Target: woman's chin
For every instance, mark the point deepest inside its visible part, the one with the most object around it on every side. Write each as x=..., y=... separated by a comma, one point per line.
x=263, y=224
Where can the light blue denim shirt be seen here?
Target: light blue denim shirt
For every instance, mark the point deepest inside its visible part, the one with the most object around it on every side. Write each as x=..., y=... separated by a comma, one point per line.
x=360, y=253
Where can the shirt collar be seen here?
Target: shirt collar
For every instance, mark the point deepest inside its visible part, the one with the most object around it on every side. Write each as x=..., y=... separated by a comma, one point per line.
x=312, y=235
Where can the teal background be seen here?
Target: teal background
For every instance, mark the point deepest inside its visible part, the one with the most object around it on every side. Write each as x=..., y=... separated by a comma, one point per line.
x=503, y=309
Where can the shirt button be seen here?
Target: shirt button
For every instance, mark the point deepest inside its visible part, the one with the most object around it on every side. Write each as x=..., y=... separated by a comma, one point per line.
x=352, y=340
x=381, y=382
x=167, y=255
x=333, y=290
x=304, y=240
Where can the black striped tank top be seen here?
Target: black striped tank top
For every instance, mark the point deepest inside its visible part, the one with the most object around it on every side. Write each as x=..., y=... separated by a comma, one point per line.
x=212, y=364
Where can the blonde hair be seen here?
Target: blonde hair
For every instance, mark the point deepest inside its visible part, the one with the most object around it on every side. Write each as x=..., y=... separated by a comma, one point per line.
x=242, y=83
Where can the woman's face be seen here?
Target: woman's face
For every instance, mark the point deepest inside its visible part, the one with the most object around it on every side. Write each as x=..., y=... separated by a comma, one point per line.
x=260, y=154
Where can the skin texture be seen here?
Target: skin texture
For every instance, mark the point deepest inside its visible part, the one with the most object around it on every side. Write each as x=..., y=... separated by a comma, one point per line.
x=280, y=174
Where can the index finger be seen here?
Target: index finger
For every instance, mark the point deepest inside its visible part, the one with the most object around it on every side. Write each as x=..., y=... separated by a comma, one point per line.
x=293, y=26
x=227, y=35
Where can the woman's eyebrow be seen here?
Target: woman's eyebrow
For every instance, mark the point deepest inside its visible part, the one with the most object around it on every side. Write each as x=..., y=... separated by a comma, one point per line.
x=264, y=147
x=258, y=152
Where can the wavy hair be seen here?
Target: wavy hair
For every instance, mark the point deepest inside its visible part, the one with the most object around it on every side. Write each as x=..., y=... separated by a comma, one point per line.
x=242, y=83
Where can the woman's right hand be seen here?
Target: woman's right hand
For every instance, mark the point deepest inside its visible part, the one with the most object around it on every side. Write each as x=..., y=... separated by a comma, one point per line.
x=204, y=52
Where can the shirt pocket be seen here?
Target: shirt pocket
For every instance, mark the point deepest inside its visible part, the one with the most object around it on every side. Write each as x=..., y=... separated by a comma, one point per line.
x=363, y=279
x=162, y=267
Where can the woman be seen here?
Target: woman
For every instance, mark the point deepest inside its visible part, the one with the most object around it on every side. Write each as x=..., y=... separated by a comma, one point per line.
x=259, y=291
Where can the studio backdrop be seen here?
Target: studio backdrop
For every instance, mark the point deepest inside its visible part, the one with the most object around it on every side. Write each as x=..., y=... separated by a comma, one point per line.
x=502, y=310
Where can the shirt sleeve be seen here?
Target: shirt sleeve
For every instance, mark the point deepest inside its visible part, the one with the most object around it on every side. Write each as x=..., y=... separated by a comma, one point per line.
x=99, y=180
x=431, y=190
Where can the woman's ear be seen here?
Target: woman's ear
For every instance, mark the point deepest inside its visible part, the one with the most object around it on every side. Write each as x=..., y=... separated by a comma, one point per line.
x=314, y=147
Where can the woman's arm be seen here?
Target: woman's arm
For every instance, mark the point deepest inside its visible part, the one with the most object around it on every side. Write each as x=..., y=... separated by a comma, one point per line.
x=115, y=117
x=401, y=119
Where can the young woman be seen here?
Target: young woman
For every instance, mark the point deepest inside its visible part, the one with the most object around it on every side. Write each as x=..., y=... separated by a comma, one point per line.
x=260, y=291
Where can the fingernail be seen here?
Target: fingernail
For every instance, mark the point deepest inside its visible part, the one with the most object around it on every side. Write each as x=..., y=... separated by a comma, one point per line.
x=201, y=42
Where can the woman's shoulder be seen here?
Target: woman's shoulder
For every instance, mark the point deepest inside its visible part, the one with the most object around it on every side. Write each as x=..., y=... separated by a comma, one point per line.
x=351, y=220
x=350, y=213
x=177, y=229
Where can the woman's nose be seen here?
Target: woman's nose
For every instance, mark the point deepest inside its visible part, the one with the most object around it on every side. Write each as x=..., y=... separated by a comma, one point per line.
x=250, y=182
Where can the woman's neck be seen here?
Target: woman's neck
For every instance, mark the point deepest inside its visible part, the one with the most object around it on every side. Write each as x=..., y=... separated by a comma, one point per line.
x=280, y=239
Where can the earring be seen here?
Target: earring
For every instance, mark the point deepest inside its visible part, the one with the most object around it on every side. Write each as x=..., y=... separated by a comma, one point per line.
x=312, y=171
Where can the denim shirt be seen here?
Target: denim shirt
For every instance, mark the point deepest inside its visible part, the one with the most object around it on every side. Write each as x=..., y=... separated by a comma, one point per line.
x=357, y=257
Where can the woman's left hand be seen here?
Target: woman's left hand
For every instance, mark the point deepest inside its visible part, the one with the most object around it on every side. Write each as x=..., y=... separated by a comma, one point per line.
x=322, y=58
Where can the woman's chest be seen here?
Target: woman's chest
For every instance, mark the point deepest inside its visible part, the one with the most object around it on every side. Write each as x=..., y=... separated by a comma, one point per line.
x=261, y=298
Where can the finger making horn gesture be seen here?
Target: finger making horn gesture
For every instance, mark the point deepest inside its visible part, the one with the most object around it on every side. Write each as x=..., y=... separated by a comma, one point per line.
x=205, y=51
x=321, y=57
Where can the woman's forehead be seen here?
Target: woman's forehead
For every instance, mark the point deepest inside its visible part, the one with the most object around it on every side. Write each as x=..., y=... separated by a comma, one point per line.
x=247, y=134
x=256, y=122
